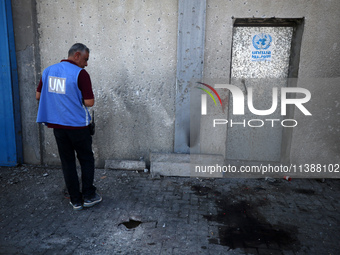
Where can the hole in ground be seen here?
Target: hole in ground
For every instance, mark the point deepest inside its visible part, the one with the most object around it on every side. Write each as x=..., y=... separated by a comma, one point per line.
x=131, y=223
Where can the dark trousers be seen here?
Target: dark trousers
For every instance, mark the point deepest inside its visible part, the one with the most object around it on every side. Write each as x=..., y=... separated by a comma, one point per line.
x=70, y=141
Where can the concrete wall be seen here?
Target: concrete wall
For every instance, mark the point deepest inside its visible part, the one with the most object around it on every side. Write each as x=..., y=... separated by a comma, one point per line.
x=317, y=138
x=28, y=62
x=133, y=69
x=132, y=66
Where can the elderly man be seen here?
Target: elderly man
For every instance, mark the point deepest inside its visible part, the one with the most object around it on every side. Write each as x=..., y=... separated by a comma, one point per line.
x=65, y=92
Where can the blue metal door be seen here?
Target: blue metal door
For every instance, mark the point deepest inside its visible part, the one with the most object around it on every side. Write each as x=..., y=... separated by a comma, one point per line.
x=10, y=126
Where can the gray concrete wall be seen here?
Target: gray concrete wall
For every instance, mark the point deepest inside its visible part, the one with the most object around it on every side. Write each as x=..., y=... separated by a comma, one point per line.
x=133, y=69
x=28, y=62
x=317, y=138
x=132, y=66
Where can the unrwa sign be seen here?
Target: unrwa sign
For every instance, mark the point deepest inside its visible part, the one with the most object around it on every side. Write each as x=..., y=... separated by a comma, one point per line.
x=261, y=47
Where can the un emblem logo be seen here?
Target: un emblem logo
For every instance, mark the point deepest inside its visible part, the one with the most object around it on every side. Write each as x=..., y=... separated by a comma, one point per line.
x=262, y=41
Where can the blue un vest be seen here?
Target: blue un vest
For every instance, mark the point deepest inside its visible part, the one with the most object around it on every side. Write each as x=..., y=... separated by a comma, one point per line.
x=61, y=101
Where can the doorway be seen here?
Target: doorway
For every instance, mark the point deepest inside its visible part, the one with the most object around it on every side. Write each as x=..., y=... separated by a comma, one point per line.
x=263, y=57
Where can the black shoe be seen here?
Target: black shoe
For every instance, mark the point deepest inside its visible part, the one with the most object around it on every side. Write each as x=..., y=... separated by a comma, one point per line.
x=88, y=202
x=76, y=206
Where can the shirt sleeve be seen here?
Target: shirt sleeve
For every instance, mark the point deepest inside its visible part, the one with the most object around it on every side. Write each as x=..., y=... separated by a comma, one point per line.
x=85, y=85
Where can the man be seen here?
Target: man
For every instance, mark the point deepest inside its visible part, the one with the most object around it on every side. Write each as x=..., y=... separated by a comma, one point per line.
x=65, y=92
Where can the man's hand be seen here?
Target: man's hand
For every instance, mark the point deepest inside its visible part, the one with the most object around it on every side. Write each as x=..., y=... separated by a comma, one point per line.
x=88, y=102
x=37, y=95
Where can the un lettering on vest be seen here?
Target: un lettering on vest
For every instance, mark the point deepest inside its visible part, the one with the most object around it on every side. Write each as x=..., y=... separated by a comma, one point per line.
x=57, y=85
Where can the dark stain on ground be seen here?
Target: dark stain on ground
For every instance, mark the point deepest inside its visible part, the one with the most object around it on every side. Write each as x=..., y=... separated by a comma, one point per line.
x=240, y=225
x=203, y=191
x=200, y=191
x=259, y=189
x=305, y=191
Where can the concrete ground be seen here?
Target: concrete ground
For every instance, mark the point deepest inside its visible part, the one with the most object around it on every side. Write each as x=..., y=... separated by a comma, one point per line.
x=168, y=215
